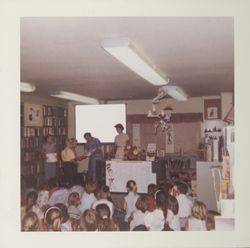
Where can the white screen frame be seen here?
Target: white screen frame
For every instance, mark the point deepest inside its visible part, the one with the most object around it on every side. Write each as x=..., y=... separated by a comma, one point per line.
x=118, y=112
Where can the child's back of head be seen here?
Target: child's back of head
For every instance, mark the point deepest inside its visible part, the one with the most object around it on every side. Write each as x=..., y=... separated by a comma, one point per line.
x=199, y=210
x=103, y=211
x=53, y=219
x=140, y=228
x=64, y=211
x=131, y=186
x=182, y=187
x=107, y=224
x=30, y=222
x=161, y=201
x=142, y=203
x=90, y=187
x=151, y=189
x=88, y=221
x=172, y=204
x=105, y=193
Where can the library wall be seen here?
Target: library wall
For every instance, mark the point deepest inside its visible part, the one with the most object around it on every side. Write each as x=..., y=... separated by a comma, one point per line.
x=53, y=122
x=135, y=107
x=186, y=132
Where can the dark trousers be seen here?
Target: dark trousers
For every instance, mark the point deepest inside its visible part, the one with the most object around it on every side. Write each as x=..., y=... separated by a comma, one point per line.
x=69, y=171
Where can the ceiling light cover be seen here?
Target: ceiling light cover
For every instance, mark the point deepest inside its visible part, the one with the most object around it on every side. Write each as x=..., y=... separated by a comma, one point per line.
x=122, y=49
x=75, y=97
x=176, y=93
x=27, y=87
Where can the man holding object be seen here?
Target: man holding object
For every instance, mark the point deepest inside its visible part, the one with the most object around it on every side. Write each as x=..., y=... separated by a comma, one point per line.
x=94, y=152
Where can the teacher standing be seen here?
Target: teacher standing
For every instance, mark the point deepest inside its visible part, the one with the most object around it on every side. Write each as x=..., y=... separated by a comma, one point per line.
x=69, y=161
x=121, y=140
x=94, y=152
x=49, y=151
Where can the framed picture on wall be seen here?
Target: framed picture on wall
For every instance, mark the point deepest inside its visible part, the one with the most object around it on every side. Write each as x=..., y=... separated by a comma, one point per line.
x=212, y=109
x=33, y=115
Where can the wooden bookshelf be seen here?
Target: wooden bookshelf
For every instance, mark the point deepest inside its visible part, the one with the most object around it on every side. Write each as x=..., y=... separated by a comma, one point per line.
x=32, y=138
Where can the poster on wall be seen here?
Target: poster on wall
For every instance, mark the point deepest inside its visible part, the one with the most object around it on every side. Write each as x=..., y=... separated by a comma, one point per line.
x=170, y=139
x=212, y=109
x=212, y=113
x=136, y=130
x=33, y=115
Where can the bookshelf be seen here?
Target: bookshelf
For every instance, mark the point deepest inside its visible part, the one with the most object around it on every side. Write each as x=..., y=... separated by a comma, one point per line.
x=55, y=124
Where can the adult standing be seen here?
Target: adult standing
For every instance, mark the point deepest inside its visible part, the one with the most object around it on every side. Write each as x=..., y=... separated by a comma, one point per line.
x=69, y=161
x=121, y=140
x=94, y=152
x=49, y=151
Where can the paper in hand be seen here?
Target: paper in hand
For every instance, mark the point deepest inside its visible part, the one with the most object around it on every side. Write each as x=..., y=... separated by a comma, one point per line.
x=51, y=157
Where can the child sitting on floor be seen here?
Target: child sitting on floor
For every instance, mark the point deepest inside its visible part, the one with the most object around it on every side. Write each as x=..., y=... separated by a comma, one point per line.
x=185, y=204
x=155, y=221
x=151, y=200
x=66, y=225
x=104, y=196
x=88, y=220
x=197, y=222
x=88, y=197
x=73, y=210
x=77, y=185
x=61, y=194
x=31, y=206
x=173, y=219
x=130, y=199
x=107, y=224
x=43, y=197
x=53, y=219
x=137, y=217
x=102, y=211
x=30, y=222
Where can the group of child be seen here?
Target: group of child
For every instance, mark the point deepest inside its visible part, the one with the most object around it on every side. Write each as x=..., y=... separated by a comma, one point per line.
x=89, y=207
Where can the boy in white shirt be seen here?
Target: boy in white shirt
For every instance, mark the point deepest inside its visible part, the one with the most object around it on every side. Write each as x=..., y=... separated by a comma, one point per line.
x=185, y=204
x=88, y=197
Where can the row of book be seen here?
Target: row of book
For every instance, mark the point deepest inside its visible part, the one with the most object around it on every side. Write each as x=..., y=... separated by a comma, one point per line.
x=60, y=140
x=38, y=132
x=31, y=131
x=32, y=169
x=54, y=111
x=54, y=121
x=31, y=142
x=54, y=131
x=31, y=155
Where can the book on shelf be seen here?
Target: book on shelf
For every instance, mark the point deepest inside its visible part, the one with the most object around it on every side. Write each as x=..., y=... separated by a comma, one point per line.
x=32, y=138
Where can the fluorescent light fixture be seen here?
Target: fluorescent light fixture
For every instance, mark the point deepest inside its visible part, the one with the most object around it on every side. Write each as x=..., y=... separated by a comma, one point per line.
x=75, y=97
x=176, y=93
x=122, y=49
x=27, y=87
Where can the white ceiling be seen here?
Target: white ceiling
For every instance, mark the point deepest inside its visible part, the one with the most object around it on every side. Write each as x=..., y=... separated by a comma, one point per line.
x=195, y=53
